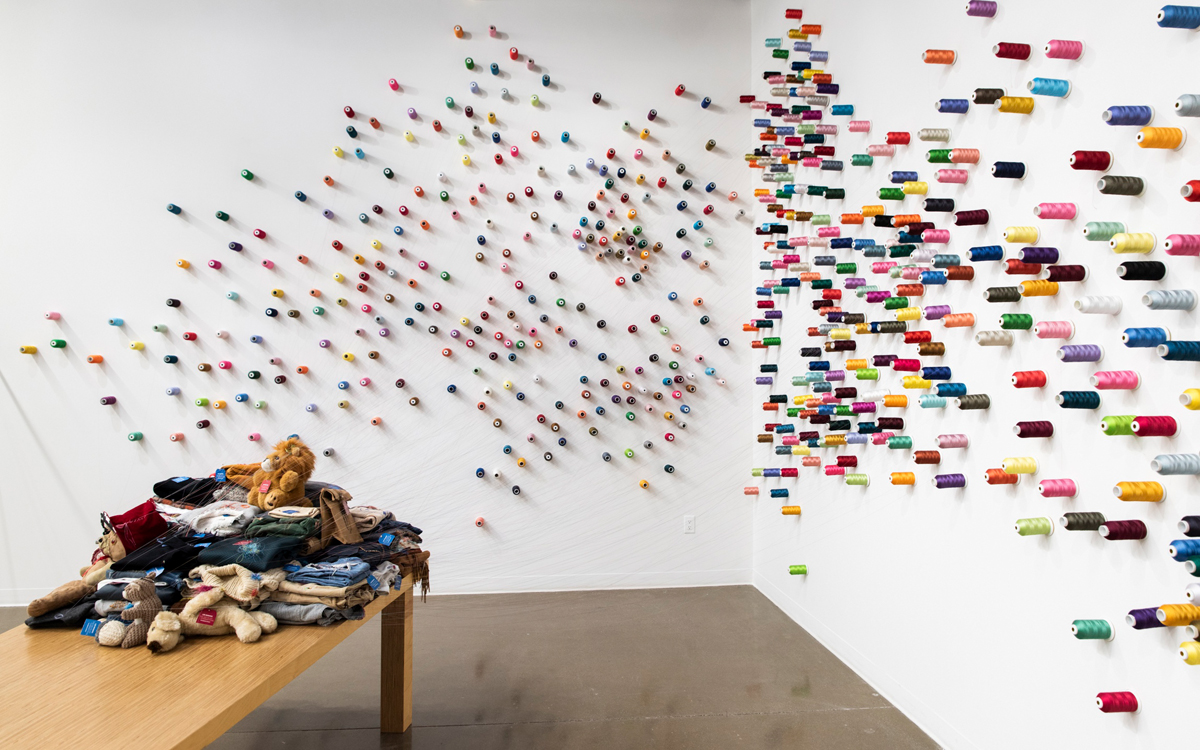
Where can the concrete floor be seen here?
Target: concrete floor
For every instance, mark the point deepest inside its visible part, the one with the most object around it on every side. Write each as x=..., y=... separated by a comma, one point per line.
x=694, y=669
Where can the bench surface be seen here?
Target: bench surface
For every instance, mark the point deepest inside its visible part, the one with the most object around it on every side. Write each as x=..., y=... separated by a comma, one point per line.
x=60, y=689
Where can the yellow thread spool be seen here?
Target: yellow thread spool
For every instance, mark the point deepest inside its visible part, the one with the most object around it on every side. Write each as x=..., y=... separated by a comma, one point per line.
x=869, y=211
x=908, y=313
x=856, y=364
x=348, y=356
x=337, y=151
x=1021, y=105
x=1139, y=492
x=377, y=244
x=137, y=346
x=915, y=188
x=339, y=278
x=218, y=404
x=1020, y=465
x=904, y=477
x=183, y=263
x=1025, y=235
x=835, y=440
x=1039, y=288
x=1161, y=138
x=791, y=510
x=1178, y=615
x=862, y=328
x=1132, y=242
x=841, y=334
x=917, y=382
x=1189, y=651
x=799, y=400
x=801, y=450
x=276, y=292
x=28, y=350
x=896, y=402
x=1190, y=398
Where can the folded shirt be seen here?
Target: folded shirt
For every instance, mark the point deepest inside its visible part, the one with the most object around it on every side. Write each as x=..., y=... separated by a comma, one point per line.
x=367, y=517
x=268, y=526
x=259, y=555
x=287, y=613
x=293, y=512
x=175, y=550
x=372, y=553
x=358, y=594
x=219, y=519
x=343, y=571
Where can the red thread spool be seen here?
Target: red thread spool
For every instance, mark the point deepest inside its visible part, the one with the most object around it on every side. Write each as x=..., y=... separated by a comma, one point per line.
x=850, y=461
x=1014, y=267
x=1117, y=703
x=910, y=290
x=1191, y=191
x=927, y=457
x=897, y=138
x=794, y=14
x=1038, y=429
x=828, y=294
x=917, y=337
x=1154, y=426
x=960, y=273
x=1095, y=161
x=906, y=365
x=1000, y=476
x=822, y=78
x=1117, y=531
x=1012, y=51
x=1029, y=379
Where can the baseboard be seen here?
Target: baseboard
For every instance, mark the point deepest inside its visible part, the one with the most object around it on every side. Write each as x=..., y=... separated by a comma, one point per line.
x=928, y=720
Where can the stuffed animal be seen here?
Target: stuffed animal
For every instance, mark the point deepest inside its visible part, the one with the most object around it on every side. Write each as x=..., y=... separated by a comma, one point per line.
x=123, y=534
x=210, y=612
x=279, y=479
x=131, y=630
x=66, y=594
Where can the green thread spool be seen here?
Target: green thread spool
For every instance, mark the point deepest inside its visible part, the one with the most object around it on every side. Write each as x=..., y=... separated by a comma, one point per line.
x=470, y=64
x=798, y=570
x=260, y=404
x=816, y=190
x=900, y=442
x=1016, y=321
x=782, y=54
x=867, y=373
x=842, y=410
x=822, y=284
x=780, y=289
x=756, y=472
x=1102, y=231
x=318, y=310
x=1093, y=630
x=772, y=341
x=135, y=436
x=895, y=303
x=58, y=344
x=793, y=411
x=862, y=291
x=201, y=401
x=1118, y=424
x=806, y=129
x=444, y=196
x=891, y=194
x=798, y=380
x=445, y=275
x=821, y=220
x=844, y=268
x=858, y=480
x=901, y=251
x=835, y=194
x=861, y=160
x=222, y=216
x=938, y=156
x=247, y=174
x=1034, y=527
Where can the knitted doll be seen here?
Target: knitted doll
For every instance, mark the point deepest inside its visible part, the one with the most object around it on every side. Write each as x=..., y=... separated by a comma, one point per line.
x=134, y=625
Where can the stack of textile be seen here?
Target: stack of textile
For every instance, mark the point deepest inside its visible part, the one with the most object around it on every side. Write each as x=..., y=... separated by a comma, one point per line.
x=198, y=559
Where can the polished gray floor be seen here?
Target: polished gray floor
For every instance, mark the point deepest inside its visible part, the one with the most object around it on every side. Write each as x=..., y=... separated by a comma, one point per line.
x=693, y=669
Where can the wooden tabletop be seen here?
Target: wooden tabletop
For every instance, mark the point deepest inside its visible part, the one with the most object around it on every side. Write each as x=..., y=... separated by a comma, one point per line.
x=61, y=689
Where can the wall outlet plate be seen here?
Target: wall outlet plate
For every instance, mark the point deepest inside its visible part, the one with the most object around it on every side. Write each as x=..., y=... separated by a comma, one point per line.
x=689, y=524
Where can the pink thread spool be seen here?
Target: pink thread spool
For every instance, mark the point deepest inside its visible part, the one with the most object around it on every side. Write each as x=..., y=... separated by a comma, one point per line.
x=881, y=438
x=267, y=263
x=941, y=236
x=811, y=161
x=906, y=365
x=1065, y=211
x=1182, y=244
x=824, y=129
x=776, y=79
x=393, y=84
x=859, y=126
x=805, y=90
x=254, y=437
x=818, y=241
x=953, y=441
x=791, y=440
x=964, y=156
x=224, y=364
x=479, y=522
x=811, y=461
x=749, y=490
x=881, y=149
x=1057, y=488
x=835, y=471
x=829, y=232
x=215, y=265
x=953, y=176
x=1116, y=380
x=911, y=274
x=1154, y=426
x=1054, y=329
x=1062, y=49
x=52, y=315
x=882, y=266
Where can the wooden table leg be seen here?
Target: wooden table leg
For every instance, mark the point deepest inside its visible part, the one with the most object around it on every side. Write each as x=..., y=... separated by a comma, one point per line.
x=395, y=688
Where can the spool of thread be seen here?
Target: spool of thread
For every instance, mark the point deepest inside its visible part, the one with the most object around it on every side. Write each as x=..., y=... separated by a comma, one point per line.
x=1049, y=87
x=959, y=320
x=1145, y=338
x=981, y=8
x=1002, y=294
x=1054, y=329
x=1117, y=424
x=798, y=570
x=926, y=457
x=1170, y=299
x=1190, y=398
x=1062, y=49
x=903, y=478
x=937, y=135
x=1188, y=105
x=1091, y=161
x=1116, y=380
x=1135, y=242
x=1122, y=531
x=1169, y=138
x=749, y=490
x=1142, y=270
x=1102, y=231
x=1180, y=351
x=1021, y=105
x=857, y=480
x=1128, y=115
x=994, y=338
x=1057, y=488
x=1182, y=244
x=1029, y=379
x=1078, y=399
x=1189, y=651
x=949, y=481
x=1177, y=615
x=1143, y=619
x=1121, y=185
x=938, y=56
x=1154, y=426
x=1176, y=464
x=1024, y=235
x=1139, y=492
x=973, y=402
x=1190, y=526
x=1012, y=170
x=1012, y=51
x=1034, y=526
x=899, y=442
x=986, y=96
x=1039, y=288
x=1098, y=305
x=1080, y=353
x=1000, y=476
x=974, y=217
x=1081, y=521
x=1183, y=549
x=1036, y=429
x=953, y=106
x=1020, y=465
x=1016, y=322
x=952, y=441
x=1093, y=630
x=790, y=510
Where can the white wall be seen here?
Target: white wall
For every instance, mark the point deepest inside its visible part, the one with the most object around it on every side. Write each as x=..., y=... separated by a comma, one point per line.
x=931, y=595
x=112, y=111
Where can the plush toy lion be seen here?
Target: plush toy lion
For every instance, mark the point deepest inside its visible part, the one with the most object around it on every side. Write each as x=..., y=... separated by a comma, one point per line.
x=279, y=479
x=210, y=612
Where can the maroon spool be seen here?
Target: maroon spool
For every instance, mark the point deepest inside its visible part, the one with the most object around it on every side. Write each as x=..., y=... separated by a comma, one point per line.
x=1154, y=426
x=971, y=218
x=1066, y=273
x=890, y=423
x=1096, y=161
x=847, y=461
x=1038, y=429
x=1012, y=51
x=1115, y=531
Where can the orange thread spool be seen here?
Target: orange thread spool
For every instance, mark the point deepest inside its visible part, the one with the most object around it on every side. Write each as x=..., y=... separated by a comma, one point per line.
x=959, y=320
x=939, y=56
x=852, y=218
x=910, y=290
x=1000, y=476
x=960, y=273
x=745, y=490
x=927, y=457
x=811, y=461
x=903, y=477
x=94, y=359
x=900, y=220
x=895, y=401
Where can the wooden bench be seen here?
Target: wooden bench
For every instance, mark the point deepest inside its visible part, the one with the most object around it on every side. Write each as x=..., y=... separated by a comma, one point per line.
x=61, y=690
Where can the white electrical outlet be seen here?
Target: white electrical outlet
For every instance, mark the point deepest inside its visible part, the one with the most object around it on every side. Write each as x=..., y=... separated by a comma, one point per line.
x=689, y=524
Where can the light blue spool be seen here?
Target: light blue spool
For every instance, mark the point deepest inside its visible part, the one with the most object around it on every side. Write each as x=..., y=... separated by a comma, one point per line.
x=1049, y=87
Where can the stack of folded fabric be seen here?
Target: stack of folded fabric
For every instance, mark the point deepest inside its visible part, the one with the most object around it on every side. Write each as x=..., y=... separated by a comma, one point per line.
x=214, y=561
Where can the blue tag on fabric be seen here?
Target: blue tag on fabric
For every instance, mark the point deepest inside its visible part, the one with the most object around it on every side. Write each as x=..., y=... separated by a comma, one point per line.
x=180, y=479
x=204, y=544
x=156, y=572
x=90, y=628
x=291, y=568
x=220, y=475
x=372, y=582
x=387, y=539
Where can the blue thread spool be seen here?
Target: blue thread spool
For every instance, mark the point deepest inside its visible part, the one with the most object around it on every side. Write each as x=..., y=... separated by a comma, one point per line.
x=360, y=153
x=495, y=69
x=1180, y=351
x=242, y=398
x=566, y=137
x=779, y=493
x=116, y=322
x=1012, y=170
x=1145, y=338
x=1078, y=399
x=953, y=106
x=1128, y=115
x=705, y=102
x=902, y=177
x=256, y=339
x=935, y=373
x=174, y=209
x=1049, y=87
x=681, y=206
x=929, y=278
x=951, y=390
x=327, y=214
x=300, y=196
x=603, y=170
x=987, y=252
x=929, y=401
x=842, y=110
x=173, y=391
x=1179, y=17
x=507, y=449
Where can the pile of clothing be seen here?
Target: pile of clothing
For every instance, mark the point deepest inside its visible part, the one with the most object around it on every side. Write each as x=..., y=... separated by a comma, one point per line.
x=196, y=559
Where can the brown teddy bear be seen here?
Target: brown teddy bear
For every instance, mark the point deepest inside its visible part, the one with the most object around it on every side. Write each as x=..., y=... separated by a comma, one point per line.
x=209, y=612
x=279, y=479
x=134, y=625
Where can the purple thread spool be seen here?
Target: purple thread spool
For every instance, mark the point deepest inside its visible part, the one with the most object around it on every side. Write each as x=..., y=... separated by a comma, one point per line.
x=981, y=9
x=949, y=481
x=774, y=314
x=936, y=312
x=1141, y=619
x=883, y=360
x=835, y=376
x=767, y=380
x=1039, y=255
x=854, y=282
x=1080, y=353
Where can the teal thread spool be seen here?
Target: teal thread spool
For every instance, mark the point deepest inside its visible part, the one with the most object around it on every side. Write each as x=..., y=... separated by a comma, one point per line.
x=857, y=480
x=135, y=436
x=1102, y=231
x=822, y=284
x=781, y=289
x=798, y=380
x=1049, y=87
x=1118, y=424
x=929, y=401
x=845, y=268
x=861, y=160
x=901, y=251
x=867, y=373
x=450, y=102
x=938, y=156
x=816, y=190
x=798, y=570
x=318, y=310
x=222, y=216
x=1016, y=321
x=1034, y=527
x=900, y=442
x=891, y=194
x=1093, y=630
x=773, y=42
x=895, y=303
